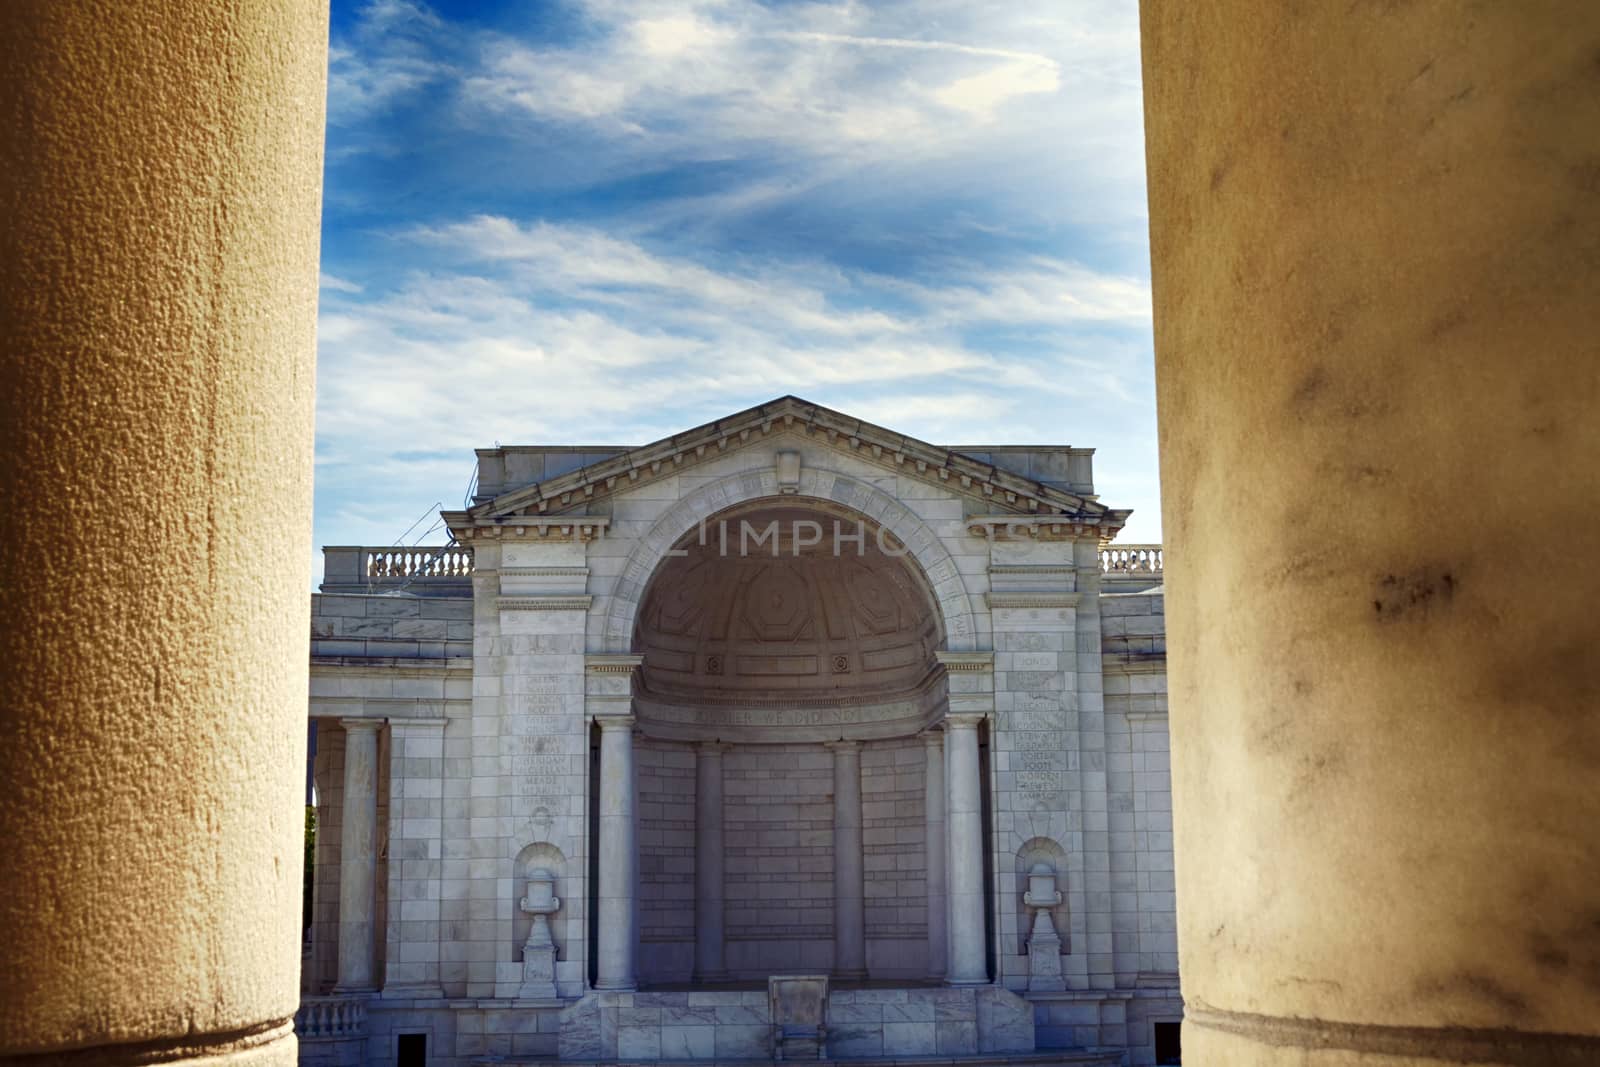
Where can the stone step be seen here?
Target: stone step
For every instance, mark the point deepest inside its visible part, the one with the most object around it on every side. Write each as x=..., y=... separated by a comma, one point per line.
x=1045, y=1058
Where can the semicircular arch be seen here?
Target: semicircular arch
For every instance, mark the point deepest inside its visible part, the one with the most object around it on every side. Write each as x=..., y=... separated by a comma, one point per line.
x=910, y=529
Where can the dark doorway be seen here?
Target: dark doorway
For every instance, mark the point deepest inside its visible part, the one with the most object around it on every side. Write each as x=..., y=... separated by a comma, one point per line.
x=1168, y=1046
x=411, y=1050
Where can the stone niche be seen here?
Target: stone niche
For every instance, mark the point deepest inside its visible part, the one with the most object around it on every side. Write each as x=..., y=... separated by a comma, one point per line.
x=764, y=633
x=765, y=628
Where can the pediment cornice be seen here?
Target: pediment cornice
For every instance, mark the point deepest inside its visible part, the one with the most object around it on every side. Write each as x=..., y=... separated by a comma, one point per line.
x=1000, y=491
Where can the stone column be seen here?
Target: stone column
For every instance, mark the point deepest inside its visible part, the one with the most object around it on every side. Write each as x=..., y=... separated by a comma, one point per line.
x=618, y=854
x=1374, y=244
x=708, y=960
x=933, y=795
x=158, y=288
x=849, y=903
x=358, y=857
x=968, y=959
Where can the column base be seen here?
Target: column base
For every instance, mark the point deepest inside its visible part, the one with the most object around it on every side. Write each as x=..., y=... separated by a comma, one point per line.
x=605, y=986
x=967, y=981
x=355, y=990
x=854, y=974
x=712, y=976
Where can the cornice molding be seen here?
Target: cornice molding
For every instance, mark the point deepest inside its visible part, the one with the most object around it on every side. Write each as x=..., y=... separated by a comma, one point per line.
x=966, y=661
x=612, y=662
x=1031, y=600
x=545, y=572
x=904, y=455
x=534, y=528
x=386, y=666
x=1042, y=527
x=544, y=603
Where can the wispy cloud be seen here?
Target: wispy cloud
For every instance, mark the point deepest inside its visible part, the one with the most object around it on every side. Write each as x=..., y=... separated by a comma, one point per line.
x=518, y=326
x=612, y=219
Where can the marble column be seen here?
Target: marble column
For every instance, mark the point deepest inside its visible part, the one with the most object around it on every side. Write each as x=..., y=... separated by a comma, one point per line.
x=849, y=905
x=964, y=816
x=708, y=959
x=358, y=856
x=618, y=854
x=1373, y=245
x=933, y=811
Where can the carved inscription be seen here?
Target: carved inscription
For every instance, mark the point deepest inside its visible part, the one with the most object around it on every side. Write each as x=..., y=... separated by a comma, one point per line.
x=1039, y=747
x=539, y=729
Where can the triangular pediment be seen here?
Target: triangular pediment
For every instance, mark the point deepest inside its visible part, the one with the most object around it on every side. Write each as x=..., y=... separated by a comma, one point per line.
x=1000, y=493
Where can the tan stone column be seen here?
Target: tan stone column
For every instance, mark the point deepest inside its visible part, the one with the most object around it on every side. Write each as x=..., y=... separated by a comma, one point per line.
x=1376, y=258
x=160, y=175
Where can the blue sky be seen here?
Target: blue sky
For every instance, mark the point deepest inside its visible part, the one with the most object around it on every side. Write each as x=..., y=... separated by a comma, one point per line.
x=603, y=222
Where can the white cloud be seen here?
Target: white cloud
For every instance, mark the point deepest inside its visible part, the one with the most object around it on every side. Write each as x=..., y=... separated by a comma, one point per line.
x=337, y=284
x=632, y=327
x=517, y=329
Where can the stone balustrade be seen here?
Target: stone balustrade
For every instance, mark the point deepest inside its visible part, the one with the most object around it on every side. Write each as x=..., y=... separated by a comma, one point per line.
x=421, y=562
x=1131, y=559
x=427, y=570
x=331, y=1018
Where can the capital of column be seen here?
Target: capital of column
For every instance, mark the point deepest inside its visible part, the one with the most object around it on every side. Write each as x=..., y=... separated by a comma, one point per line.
x=961, y=662
x=933, y=739
x=712, y=748
x=362, y=724
x=964, y=720
x=416, y=726
x=616, y=722
x=843, y=745
x=612, y=662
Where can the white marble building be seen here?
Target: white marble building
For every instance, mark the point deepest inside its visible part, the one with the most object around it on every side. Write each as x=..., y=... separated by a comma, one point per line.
x=787, y=693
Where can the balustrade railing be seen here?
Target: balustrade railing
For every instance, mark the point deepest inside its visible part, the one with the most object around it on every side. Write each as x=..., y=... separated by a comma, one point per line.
x=1131, y=559
x=330, y=1018
x=420, y=563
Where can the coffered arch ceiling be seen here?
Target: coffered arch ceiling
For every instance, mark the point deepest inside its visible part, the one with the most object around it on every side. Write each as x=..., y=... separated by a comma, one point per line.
x=784, y=622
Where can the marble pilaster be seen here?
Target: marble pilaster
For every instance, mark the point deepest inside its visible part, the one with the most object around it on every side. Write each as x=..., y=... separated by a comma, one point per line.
x=358, y=857
x=411, y=934
x=709, y=965
x=849, y=904
x=933, y=801
x=968, y=963
x=618, y=849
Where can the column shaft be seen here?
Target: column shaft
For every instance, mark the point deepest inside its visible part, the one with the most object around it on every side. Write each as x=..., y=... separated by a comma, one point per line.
x=158, y=293
x=708, y=955
x=358, y=856
x=1377, y=296
x=968, y=960
x=849, y=909
x=618, y=855
x=933, y=800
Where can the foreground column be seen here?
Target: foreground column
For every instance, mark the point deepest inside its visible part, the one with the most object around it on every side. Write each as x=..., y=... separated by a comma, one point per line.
x=849, y=907
x=618, y=852
x=968, y=960
x=933, y=811
x=161, y=168
x=358, y=856
x=708, y=959
x=1374, y=241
